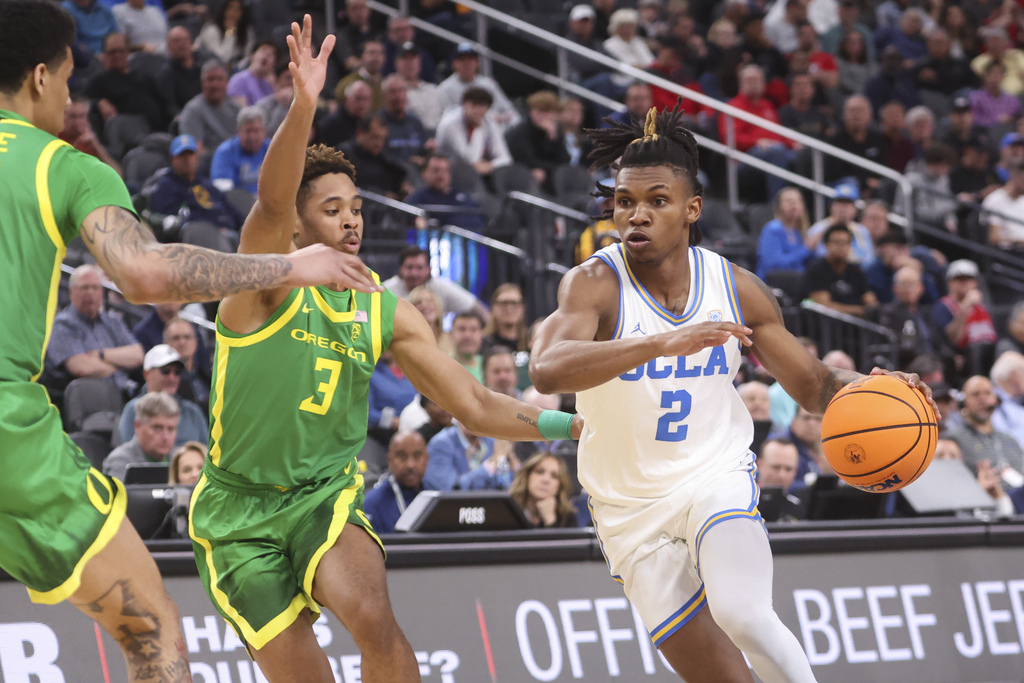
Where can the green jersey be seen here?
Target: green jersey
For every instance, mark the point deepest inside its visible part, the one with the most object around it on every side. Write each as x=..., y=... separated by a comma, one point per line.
x=47, y=188
x=289, y=402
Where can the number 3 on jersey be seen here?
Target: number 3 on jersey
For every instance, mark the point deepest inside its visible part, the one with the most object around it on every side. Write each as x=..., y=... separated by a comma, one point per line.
x=668, y=429
x=333, y=367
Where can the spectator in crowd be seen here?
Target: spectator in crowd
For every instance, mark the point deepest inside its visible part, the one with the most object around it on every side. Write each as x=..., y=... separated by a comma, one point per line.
x=507, y=326
x=933, y=195
x=370, y=70
x=570, y=119
x=849, y=22
x=991, y=105
x=1002, y=210
x=856, y=63
x=537, y=142
x=580, y=30
x=469, y=133
x=625, y=45
x=948, y=401
x=893, y=251
x=465, y=76
x=408, y=140
x=94, y=21
x=961, y=128
x=784, y=408
x=181, y=191
x=467, y=341
x=400, y=34
x=186, y=464
x=781, y=28
x=437, y=191
x=907, y=318
x=229, y=37
x=340, y=127
x=921, y=131
x=86, y=341
x=823, y=68
x=377, y=171
x=150, y=330
x=962, y=34
x=414, y=271
x=898, y=150
x=79, y=134
x=390, y=392
x=974, y=179
x=499, y=370
x=541, y=488
x=801, y=113
x=119, y=90
x=962, y=315
x=453, y=456
x=424, y=99
x=427, y=303
x=181, y=336
x=999, y=50
x=977, y=436
x=1007, y=376
x=604, y=10
x=940, y=71
x=210, y=117
x=144, y=25
x=805, y=433
x=759, y=405
x=602, y=232
x=752, y=139
x=399, y=486
x=156, y=426
x=907, y=37
x=180, y=80
x=781, y=243
x=843, y=210
x=430, y=418
x=275, y=107
x=638, y=100
x=834, y=281
x=249, y=86
x=1011, y=152
x=892, y=82
x=1013, y=340
x=724, y=55
x=671, y=64
x=162, y=370
x=777, y=462
x=856, y=137
x=238, y=160
x=359, y=25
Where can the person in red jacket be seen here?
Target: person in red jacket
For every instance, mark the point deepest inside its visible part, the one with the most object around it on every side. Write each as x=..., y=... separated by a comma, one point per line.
x=753, y=139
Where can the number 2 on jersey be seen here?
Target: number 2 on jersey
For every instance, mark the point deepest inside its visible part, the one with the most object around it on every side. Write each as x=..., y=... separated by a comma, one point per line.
x=333, y=367
x=668, y=429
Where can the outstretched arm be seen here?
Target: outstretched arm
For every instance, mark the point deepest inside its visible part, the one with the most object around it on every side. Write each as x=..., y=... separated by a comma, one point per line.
x=443, y=380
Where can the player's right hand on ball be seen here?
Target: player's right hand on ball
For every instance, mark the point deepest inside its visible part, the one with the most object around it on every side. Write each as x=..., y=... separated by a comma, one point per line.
x=319, y=264
x=691, y=339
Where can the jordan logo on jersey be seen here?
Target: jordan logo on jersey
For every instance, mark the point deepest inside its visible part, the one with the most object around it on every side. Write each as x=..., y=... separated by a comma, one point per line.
x=637, y=330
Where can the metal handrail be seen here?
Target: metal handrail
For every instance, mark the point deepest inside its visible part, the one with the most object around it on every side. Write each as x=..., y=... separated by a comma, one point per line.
x=866, y=325
x=549, y=205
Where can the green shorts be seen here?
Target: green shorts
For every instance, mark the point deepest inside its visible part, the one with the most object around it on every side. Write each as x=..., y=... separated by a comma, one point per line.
x=258, y=546
x=57, y=511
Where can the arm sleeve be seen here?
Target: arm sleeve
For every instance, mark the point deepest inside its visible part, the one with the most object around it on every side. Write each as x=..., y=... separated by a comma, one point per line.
x=79, y=184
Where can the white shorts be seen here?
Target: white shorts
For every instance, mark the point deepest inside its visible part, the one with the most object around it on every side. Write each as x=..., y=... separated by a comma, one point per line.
x=654, y=550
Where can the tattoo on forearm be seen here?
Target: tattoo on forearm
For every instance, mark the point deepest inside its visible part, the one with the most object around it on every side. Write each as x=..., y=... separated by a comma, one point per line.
x=194, y=274
x=767, y=291
x=527, y=419
x=835, y=380
x=138, y=631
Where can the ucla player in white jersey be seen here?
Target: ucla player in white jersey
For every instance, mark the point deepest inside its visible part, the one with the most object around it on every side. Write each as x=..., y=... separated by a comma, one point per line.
x=649, y=333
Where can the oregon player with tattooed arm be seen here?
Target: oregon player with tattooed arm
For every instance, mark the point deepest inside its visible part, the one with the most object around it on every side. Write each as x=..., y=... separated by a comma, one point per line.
x=648, y=333
x=62, y=527
x=276, y=519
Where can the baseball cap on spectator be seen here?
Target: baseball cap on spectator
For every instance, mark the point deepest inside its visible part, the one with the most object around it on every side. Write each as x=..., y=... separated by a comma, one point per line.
x=962, y=268
x=408, y=48
x=580, y=12
x=159, y=356
x=846, y=192
x=1011, y=138
x=183, y=143
x=465, y=50
x=961, y=104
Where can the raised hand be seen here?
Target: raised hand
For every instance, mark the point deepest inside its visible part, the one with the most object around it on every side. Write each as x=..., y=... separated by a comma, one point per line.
x=308, y=72
x=319, y=263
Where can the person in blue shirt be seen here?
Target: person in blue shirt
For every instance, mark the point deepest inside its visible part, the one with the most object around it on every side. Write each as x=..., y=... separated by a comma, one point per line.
x=407, y=463
x=437, y=192
x=238, y=160
x=781, y=244
x=390, y=392
x=179, y=191
x=93, y=22
x=455, y=454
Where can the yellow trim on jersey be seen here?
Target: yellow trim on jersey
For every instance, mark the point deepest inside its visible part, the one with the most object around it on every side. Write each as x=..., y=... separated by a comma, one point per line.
x=696, y=298
x=333, y=315
x=375, y=320
x=271, y=629
x=695, y=605
x=342, y=510
x=260, y=335
x=17, y=122
x=107, y=532
x=217, y=424
x=50, y=224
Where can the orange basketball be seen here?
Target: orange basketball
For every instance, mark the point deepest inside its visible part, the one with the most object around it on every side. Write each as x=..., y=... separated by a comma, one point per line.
x=879, y=434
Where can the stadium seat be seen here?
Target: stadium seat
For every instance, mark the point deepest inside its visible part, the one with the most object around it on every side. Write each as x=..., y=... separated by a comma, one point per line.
x=123, y=132
x=789, y=282
x=95, y=447
x=573, y=186
x=149, y=64
x=141, y=163
x=242, y=200
x=512, y=178
x=203, y=234
x=756, y=215
x=465, y=177
x=86, y=396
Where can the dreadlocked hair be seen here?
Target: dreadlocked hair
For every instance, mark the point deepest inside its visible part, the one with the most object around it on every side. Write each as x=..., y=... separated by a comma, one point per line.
x=661, y=140
x=322, y=160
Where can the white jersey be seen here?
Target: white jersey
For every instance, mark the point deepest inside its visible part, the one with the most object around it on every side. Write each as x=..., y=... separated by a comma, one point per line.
x=650, y=430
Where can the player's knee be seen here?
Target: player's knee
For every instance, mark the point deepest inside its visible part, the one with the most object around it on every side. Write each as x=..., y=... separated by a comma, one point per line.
x=370, y=621
x=741, y=622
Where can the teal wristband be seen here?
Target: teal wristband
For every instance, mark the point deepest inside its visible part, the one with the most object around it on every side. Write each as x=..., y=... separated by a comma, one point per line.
x=554, y=425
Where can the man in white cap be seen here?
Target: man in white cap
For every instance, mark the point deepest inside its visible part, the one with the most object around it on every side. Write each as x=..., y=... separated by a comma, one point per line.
x=582, y=19
x=162, y=369
x=965, y=320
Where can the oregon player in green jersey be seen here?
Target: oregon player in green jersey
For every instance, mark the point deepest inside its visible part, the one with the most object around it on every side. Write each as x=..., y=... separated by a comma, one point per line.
x=276, y=518
x=62, y=528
